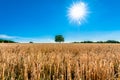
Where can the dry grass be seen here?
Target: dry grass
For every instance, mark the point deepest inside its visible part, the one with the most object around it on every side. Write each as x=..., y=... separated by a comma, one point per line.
x=59, y=61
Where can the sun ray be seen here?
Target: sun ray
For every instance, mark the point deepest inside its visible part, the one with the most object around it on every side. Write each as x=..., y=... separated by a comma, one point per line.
x=77, y=12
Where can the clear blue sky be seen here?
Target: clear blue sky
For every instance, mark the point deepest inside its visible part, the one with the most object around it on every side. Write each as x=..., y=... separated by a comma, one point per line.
x=41, y=20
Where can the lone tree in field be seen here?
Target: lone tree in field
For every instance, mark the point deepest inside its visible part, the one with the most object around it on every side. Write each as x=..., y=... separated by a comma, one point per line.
x=59, y=38
x=30, y=42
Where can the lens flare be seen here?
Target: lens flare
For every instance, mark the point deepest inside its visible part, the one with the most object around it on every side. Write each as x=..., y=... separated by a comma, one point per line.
x=77, y=12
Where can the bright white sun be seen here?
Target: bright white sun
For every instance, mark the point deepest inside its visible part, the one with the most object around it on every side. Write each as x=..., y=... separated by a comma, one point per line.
x=77, y=12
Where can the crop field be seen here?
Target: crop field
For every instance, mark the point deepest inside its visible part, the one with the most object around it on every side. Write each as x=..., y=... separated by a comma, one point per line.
x=59, y=61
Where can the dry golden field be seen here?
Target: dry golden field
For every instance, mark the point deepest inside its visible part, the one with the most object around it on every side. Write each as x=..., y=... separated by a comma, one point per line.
x=59, y=61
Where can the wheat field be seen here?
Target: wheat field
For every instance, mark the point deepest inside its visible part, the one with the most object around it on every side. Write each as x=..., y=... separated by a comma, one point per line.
x=59, y=61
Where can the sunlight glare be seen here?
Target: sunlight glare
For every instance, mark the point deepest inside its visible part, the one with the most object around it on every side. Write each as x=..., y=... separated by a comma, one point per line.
x=77, y=12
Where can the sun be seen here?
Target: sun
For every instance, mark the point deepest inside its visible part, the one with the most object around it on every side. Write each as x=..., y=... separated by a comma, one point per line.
x=77, y=12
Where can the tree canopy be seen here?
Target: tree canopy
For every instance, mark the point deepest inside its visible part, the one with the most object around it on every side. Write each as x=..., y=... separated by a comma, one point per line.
x=59, y=38
x=6, y=41
x=108, y=41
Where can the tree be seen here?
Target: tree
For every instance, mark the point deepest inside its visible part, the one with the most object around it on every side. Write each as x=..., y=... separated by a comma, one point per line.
x=100, y=42
x=59, y=38
x=6, y=41
x=87, y=42
x=112, y=41
x=30, y=42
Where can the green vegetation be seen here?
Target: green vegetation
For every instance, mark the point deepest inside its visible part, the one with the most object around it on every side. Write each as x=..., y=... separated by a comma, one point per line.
x=100, y=42
x=87, y=42
x=112, y=41
x=6, y=41
x=108, y=41
x=59, y=38
x=30, y=42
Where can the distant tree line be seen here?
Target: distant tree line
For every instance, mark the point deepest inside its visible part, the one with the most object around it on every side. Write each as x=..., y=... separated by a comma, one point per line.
x=60, y=38
x=6, y=41
x=108, y=41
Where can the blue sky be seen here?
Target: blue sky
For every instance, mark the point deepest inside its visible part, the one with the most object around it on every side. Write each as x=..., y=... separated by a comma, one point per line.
x=41, y=20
